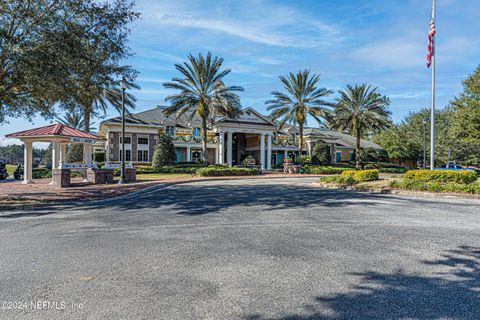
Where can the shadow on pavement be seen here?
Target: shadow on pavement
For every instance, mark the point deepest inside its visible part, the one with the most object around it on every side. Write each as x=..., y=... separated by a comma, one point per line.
x=454, y=294
x=190, y=199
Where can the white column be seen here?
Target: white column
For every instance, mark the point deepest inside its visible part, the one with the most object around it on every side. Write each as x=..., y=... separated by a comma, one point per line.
x=55, y=155
x=229, y=148
x=285, y=154
x=87, y=153
x=221, y=147
x=27, y=162
x=63, y=153
x=262, y=151
x=189, y=154
x=269, y=152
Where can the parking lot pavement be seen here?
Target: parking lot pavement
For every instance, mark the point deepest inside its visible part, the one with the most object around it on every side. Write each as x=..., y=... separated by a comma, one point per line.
x=243, y=249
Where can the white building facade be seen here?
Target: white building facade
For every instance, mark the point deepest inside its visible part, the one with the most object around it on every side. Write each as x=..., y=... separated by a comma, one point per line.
x=229, y=141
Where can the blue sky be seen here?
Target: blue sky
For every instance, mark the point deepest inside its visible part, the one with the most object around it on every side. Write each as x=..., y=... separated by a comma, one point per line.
x=380, y=42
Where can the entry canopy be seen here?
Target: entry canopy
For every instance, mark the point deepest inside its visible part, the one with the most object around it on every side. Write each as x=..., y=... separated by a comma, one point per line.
x=60, y=136
x=55, y=132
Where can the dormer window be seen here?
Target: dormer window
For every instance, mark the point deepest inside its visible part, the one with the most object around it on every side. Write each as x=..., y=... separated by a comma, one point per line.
x=196, y=132
x=170, y=131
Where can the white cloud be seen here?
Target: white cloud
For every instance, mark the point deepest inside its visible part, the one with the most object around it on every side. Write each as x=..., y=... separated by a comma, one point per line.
x=8, y=141
x=255, y=21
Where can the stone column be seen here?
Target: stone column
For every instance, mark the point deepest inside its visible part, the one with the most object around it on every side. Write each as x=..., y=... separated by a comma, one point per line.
x=189, y=154
x=262, y=151
x=27, y=162
x=221, y=147
x=55, y=155
x=229, y=148
x=269, y=152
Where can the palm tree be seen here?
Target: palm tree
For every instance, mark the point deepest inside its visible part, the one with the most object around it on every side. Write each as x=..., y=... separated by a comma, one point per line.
x=98, y=94
x=302, y=99
x=72, y=119
x=361, y=109
x=202, y=92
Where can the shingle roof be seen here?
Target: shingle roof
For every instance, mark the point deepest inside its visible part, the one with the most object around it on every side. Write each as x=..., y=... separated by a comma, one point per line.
x=340, y=138
x=53, y=130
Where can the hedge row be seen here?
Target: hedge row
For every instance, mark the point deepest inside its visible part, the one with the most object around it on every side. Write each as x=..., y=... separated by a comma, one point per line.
x=227, y=171
x=339, y=179
x=435, y=186
x=362, y=175
x=311, y=169
x=443, y=176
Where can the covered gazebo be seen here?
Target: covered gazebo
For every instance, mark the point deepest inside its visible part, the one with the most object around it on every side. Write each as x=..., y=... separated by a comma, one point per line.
x=60, y=136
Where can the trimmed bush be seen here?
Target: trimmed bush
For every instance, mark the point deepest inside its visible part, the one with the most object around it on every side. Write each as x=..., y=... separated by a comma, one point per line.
x=311, y=169
x=164, y=154
x=362, y=175
x=386, y=167
x=41, y=173
x=321, y=154
x=366, y=175
x=215, y=171
x=444, y=176
x=339, y=179
x=434, y=186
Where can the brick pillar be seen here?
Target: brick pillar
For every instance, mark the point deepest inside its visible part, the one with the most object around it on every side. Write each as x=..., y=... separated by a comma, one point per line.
x=61, y=178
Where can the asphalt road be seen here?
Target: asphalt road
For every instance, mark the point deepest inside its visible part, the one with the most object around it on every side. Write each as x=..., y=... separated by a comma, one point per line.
x=243, y=249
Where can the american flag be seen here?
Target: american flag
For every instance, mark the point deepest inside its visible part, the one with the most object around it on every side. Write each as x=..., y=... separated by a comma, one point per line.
x=431, y=39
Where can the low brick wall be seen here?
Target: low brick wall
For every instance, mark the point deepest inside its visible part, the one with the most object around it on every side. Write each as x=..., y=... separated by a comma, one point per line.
x=100, y=176
x=61, y=178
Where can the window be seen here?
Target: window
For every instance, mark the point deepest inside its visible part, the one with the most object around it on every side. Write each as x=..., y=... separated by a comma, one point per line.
x=170, y=131
x=142, y=155
x=142, y=141
x=196, y=156
x=128, y=154
x=128, y=140
x=196, y=132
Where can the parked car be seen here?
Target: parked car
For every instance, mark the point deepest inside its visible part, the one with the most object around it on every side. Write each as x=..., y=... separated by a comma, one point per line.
x=3, y=170
x=18, y=174
x=454, y=166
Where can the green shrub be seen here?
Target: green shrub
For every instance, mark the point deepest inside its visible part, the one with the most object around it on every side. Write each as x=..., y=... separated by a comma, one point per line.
x=386, y=167
x=99, y=157
x=248, y=161
x=457, y=176
x=75, y=153
x=366, y=175
x=311, y=169
x=215, y=171
x=340, y=179
x=164, y=154
x=435, y=186
x=41, y=173
x=321, y=154
x=362, y=175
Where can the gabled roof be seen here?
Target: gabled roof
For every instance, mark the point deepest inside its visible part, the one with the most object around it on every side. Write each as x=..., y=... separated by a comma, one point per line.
x=339, y=137
x=53, y=130
x=257, y=119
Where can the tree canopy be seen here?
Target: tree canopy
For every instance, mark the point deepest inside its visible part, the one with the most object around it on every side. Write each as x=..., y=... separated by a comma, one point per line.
x=47, y=46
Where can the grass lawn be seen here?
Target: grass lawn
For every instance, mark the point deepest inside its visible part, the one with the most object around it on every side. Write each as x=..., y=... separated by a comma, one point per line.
x=161, y=176
x=11, y=169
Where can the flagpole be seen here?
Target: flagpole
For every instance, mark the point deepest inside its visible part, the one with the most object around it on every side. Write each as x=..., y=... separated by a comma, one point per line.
x=432, y=117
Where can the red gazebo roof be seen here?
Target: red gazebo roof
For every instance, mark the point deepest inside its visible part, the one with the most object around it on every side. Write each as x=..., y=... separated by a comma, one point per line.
x=53, y=130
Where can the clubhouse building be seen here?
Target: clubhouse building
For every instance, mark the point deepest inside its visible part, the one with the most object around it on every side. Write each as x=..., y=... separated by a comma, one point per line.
x=229, y=141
